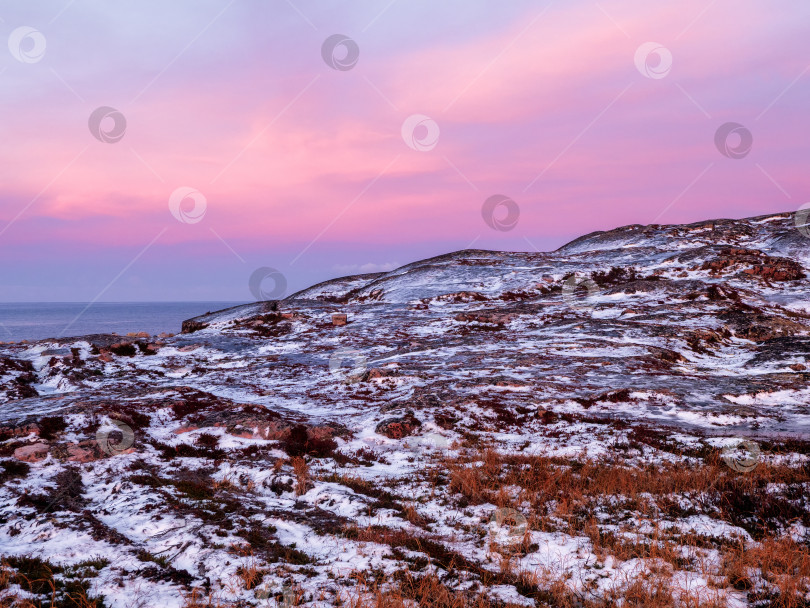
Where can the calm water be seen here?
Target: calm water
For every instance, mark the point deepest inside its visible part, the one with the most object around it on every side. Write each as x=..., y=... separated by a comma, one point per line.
x=34, y=321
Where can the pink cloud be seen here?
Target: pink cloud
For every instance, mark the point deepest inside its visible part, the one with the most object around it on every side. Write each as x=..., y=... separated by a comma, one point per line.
x=290, y=172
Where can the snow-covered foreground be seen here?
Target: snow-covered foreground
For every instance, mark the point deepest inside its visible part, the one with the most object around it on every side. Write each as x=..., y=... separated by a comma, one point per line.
x=621, y=422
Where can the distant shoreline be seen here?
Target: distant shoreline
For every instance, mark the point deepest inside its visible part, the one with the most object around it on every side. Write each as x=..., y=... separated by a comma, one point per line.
x=34, y=321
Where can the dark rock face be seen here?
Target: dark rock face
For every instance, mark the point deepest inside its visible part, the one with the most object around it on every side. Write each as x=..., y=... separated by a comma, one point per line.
x=21, y=377
x=190, y=326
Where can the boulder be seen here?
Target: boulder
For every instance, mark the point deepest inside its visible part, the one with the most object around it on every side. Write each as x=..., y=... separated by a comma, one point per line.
x=397, y=428
x=380, y=372
x=190, y=326
x=77, y=453
x=31, y=453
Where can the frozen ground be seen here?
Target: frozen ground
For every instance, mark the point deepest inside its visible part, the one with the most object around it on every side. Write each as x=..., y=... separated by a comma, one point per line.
x=621, y=422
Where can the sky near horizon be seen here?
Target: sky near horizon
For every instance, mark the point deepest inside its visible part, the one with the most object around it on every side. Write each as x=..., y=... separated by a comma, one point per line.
x=168, y=150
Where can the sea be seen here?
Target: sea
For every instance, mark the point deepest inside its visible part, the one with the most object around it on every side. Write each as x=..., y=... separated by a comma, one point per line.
x=40, y=320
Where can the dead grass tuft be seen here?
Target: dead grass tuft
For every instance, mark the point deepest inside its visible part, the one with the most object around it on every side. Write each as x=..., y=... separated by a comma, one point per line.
x=301, y=471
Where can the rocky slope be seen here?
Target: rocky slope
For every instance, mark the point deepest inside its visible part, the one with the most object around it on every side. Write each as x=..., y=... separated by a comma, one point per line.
x=625, y=417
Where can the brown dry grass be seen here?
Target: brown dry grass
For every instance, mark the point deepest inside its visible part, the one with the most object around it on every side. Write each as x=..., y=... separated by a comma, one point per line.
x=301, y=471
x=781, y=562
x=82, y=601
x=413, y=516
x=8, y=599
x=225, y=484
x=228, y=484
x=197, y=599
x=38, y=585
x=5, y=576
x=558, y=489
x=250, y=573
x=480, y=476
x=564, y=495
x=427, y=591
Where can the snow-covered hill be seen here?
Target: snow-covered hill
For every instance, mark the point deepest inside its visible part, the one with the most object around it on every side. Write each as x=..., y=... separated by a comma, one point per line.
x=267, y=448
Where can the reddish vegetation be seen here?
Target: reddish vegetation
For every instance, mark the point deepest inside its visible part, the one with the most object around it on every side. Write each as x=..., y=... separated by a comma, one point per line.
x=300, y=440
x=755, y=263
x=397, y=428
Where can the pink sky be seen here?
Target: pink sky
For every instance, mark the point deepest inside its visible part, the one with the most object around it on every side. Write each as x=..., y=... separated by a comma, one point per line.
x=304, y=167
